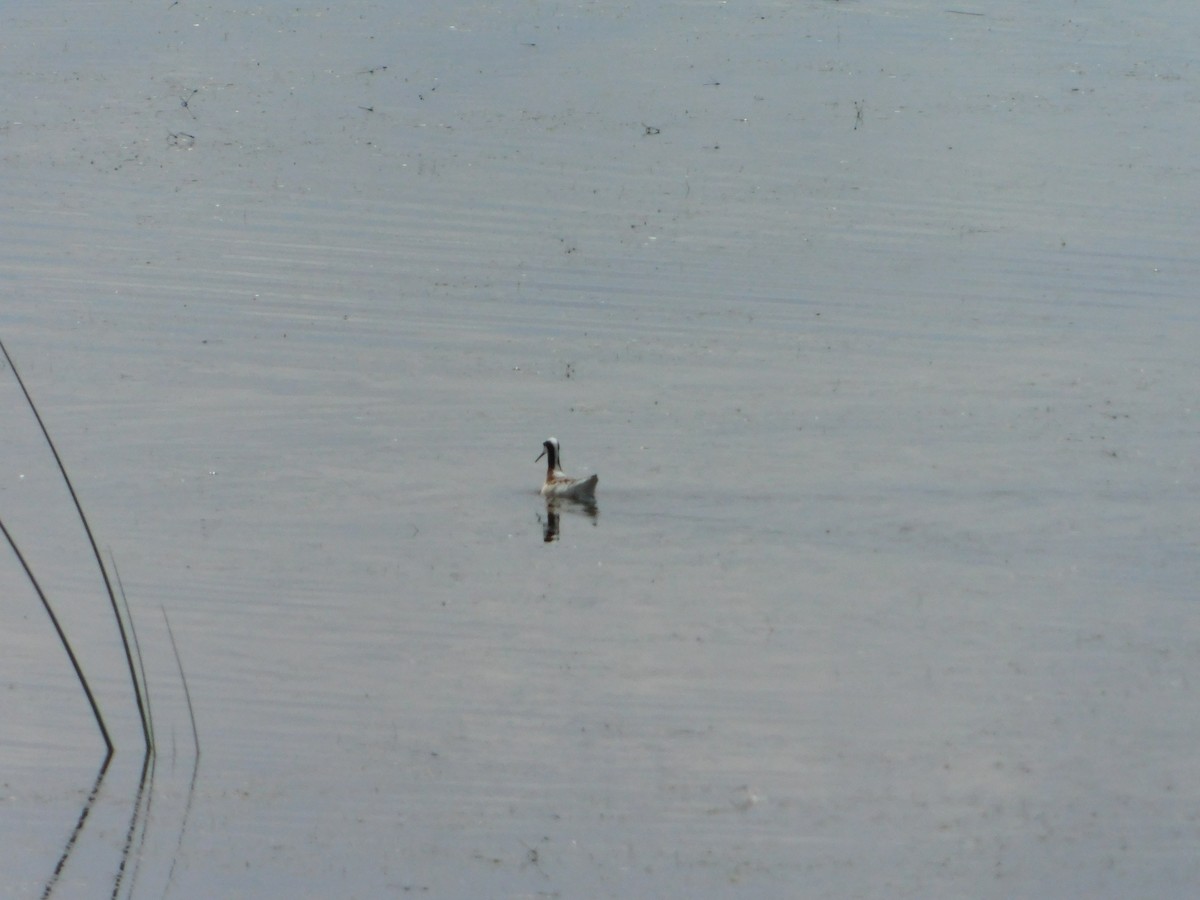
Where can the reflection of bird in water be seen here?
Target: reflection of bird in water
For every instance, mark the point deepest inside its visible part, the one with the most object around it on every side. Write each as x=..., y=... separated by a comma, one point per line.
x=585, y=506
x=550, y=527
x=558, y=483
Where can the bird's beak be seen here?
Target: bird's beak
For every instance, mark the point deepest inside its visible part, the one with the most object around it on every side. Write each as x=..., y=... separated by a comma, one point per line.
x=543, y=453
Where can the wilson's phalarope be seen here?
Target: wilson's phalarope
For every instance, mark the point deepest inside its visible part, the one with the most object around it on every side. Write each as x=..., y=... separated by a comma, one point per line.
x=558, y=483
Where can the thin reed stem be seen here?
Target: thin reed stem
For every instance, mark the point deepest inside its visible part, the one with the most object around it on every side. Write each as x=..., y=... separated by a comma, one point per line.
x=187, y=809
x=62, y=636
x=187, y=694
x=112, y=597
x=140, y=816
x=144, y=688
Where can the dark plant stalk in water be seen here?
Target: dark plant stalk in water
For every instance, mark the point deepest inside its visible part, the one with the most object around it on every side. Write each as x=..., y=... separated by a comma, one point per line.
x=141, y=690
x=112, y=597
x=137, y=675
x=187, y=694
x=141, y=686
x=187, y=809
x=62, y=636
x=140, y=815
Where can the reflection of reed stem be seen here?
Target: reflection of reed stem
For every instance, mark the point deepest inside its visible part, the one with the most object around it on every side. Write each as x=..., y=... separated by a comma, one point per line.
x=140, y=816
x=83, y=814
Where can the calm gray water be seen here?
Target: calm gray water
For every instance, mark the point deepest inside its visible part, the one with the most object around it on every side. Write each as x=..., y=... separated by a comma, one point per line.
x=877, y=322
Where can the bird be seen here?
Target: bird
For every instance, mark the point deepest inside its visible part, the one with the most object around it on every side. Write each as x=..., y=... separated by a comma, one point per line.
x=558, y=483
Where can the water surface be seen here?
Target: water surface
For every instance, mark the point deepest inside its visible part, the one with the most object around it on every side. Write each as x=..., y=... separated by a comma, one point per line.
x=876, y=321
